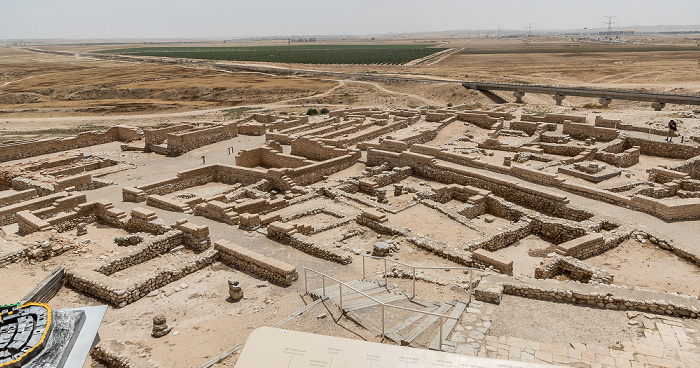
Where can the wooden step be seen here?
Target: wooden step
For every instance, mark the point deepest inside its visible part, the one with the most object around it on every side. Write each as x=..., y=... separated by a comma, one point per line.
x=332, y=291
x=367, y=302
x=393, y=332
x=427, y=322
x=448, y=325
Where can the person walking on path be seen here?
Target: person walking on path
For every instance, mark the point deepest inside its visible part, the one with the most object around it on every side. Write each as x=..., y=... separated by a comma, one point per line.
x=672, y=127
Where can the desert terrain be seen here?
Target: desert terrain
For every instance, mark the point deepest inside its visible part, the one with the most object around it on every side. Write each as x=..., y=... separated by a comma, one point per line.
x=582, y=217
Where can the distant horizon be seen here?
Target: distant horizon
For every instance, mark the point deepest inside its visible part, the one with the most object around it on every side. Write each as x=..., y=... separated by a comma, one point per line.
x=222, y=19
x=652, y=29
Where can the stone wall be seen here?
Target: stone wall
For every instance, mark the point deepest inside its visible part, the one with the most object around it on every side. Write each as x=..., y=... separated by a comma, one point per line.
x=492, y=287
x=179, y=143
x=266, y=157
x=156, y=136
x=287, y=232
x=573, y=268
x=29, y=148
x=585, y=131
x=116, y=354
x=246, y=260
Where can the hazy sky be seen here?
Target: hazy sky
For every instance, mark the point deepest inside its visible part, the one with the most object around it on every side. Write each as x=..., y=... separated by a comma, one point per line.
x=235, y=18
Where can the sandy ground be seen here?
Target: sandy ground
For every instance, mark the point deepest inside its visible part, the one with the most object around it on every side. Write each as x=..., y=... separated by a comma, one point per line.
x=555, y=323
x=649, y=267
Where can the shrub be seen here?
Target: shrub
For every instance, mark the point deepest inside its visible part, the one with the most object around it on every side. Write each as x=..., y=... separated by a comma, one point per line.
x=119, y=239
x=311, y=111
x=324, y=111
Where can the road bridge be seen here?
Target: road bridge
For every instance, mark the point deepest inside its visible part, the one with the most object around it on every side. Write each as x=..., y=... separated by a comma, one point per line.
x=605, y=96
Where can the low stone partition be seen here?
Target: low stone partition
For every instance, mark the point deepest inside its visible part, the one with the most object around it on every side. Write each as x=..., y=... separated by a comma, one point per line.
x=585, y=131
x=583, y=247
x=531, y=127
x=8, y=214
x=148, y=249
x=168, y=204
x=9, y=197
x=246, y=260
x=627, y=158
x=503, y=238
x=692, y=254
x=116, y=354
x=484, y=259
x=561, y=118
x=287, y=232
x=492, y=287
x=480, y=119
x=267, y=157
x=181, y=142
x=120, y=292
x=574, y=268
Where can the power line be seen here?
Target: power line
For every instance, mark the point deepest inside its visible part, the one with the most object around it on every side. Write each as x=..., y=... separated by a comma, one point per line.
x=610, y=23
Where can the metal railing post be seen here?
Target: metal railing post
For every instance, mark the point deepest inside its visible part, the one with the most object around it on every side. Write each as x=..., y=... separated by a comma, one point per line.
x=306, y=283
x=440, y=326
x=323, y=277
x=414, y=282
x=471, y=285
x=383, y=336
x=386, y=281
x=340, y=287
x=363, y=268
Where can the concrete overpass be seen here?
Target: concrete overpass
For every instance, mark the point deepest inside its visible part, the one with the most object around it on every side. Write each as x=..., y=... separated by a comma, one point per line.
x=605, y=96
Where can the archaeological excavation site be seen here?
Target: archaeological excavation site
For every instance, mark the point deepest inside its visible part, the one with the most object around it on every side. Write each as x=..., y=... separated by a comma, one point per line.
x=162, y=211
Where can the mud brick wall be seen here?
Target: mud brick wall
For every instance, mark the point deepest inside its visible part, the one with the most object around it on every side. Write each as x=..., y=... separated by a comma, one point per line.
x=244, y=259
x=577, y=270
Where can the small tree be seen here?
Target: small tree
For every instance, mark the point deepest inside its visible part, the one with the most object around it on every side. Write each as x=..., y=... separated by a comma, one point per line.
x=324, y=111
x=312, y=111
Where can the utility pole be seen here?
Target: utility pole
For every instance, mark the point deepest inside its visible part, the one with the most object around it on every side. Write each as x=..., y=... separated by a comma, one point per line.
x=610, y=23
x=529, y=30
x=289, y=54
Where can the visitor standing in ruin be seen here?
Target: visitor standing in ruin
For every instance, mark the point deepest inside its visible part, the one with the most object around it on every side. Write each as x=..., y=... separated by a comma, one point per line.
x=672, y=127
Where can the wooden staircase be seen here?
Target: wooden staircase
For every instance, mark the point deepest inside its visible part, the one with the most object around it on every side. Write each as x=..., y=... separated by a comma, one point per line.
x=420, y=324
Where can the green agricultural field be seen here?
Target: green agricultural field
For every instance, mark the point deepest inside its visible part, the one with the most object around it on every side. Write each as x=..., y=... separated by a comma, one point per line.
x=310, y=54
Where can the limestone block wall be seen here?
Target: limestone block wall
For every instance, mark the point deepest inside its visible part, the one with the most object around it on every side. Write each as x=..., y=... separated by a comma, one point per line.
x=116, y=354
x=313, y=173
x=690, y=167
x=23, y=149
x=482, y=120
x=156, y=136
x=492, y=287
x=148, y=249
x=179, y=143
x=287, y=232
x=628, y=158
x=244, y=259
x=8, y=197
x=574, y=268
x=264, y=156
x=663, y=148
x=585, y=131
x=530, y=127
x=561, y=118
x=8, y=213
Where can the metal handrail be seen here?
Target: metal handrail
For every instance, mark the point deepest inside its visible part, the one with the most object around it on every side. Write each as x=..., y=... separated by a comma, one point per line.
x=421, y=268
x=382, y=304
